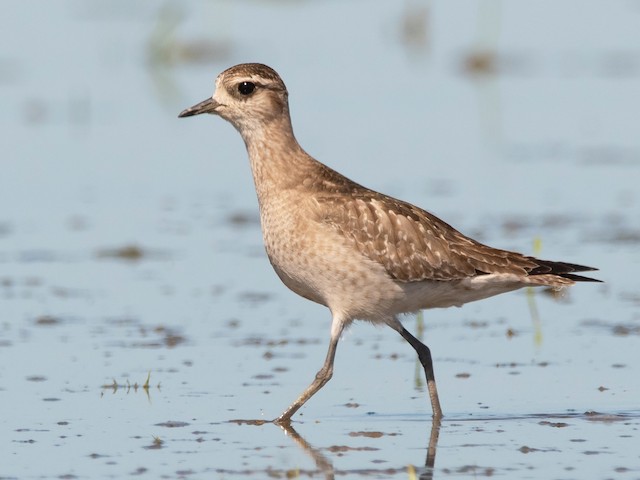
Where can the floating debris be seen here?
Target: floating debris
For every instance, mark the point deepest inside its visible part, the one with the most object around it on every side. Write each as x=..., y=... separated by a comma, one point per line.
x=128, y=252
x=47, y=320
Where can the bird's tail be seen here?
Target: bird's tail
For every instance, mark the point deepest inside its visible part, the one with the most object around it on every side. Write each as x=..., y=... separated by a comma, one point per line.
x=558, y=273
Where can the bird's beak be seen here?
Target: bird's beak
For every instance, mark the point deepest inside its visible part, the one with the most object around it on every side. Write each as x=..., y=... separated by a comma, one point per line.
x=207, y=106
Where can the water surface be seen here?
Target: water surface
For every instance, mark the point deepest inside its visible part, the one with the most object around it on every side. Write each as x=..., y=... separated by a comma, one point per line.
x=130, y=248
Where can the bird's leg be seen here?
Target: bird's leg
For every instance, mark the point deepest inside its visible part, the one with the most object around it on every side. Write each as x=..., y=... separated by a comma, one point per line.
x=322, y=377
x=424, y=355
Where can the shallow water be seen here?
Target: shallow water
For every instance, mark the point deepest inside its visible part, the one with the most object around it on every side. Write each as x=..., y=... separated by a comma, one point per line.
x=130, y=247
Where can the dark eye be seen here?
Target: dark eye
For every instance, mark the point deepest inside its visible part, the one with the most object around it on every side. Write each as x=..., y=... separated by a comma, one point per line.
x=246, y=88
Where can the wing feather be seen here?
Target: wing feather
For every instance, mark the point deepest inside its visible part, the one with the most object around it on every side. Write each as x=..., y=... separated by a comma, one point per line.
x=414, y=245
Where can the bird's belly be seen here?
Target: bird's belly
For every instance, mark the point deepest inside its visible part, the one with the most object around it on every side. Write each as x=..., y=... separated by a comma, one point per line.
x=320, y=265
x=455, y=293
x=297, y=284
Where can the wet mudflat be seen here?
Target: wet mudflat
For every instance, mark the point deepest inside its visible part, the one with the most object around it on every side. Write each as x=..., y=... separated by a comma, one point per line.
x=142, y=330
x=202, y=409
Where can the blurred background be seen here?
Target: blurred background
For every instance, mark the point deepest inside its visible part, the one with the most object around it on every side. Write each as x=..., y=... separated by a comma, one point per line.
x=488, y=100
x=129, y=239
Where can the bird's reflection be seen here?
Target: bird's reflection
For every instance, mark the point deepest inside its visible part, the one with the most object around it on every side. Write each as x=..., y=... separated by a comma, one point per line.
x=430, y=462
x=324, y=464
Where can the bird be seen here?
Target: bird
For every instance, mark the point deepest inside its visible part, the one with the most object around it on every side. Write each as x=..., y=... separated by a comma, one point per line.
x=364, y=255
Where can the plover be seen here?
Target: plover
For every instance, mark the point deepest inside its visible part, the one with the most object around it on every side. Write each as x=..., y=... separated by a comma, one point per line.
x=362, y=254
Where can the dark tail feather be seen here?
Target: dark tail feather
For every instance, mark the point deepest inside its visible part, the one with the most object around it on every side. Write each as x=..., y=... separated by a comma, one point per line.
x=580, y=278
x=562, y=269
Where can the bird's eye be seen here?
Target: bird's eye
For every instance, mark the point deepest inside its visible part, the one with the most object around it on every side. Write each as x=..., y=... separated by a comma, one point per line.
x=246, y=88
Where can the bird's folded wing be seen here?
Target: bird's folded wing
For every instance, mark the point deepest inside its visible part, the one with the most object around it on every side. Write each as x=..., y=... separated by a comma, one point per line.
x=412, y=244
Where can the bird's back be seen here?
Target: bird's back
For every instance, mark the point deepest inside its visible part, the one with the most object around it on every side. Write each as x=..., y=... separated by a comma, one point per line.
x=330, y=238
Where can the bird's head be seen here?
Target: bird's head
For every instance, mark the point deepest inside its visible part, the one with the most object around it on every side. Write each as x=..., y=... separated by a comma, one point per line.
x=250, y=96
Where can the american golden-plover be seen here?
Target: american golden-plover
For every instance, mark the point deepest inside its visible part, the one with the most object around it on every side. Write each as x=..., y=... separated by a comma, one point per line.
x=362, y=254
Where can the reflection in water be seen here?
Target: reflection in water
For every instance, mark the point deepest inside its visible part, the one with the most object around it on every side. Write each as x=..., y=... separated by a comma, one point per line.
x=324, y=464
x=115, y=386
x=492, y=426
x=431, y=450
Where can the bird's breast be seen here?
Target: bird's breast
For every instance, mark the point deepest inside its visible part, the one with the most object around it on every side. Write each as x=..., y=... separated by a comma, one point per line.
x=318, y=263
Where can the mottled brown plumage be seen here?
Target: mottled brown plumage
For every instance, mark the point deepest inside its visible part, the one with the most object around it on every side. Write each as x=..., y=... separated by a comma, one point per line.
x=414, y=245
x=363, y=254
